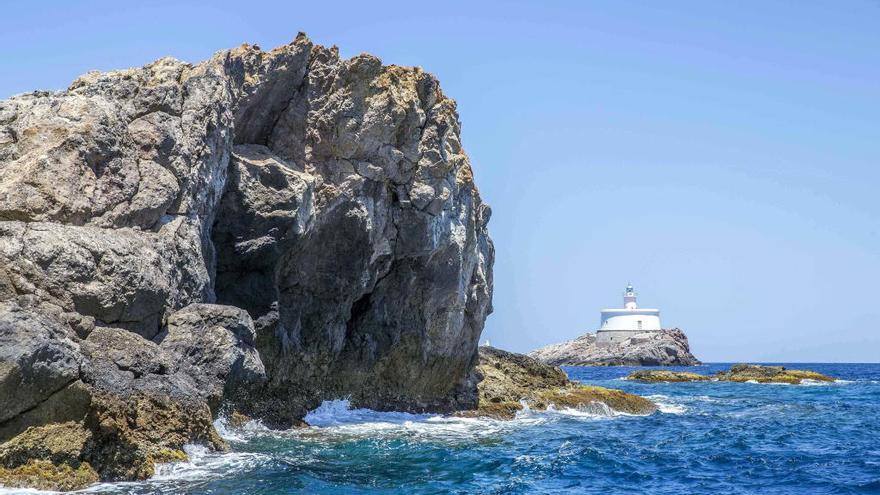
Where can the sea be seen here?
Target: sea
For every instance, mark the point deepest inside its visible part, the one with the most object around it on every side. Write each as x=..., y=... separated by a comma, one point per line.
x=707, y=438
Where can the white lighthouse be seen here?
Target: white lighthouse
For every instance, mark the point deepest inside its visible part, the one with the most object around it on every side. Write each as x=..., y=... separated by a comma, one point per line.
x=620, y=324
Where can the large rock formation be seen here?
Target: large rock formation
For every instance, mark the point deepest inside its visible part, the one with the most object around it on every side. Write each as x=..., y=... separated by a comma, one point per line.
x=663, y=348
x=263, y=230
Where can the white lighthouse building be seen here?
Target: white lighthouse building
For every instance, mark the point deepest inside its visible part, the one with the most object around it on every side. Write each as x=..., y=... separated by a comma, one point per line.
x=620, y=324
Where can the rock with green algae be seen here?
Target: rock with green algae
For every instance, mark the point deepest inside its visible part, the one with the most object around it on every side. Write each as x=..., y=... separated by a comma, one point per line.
x=49, y=458
x=508, y=381
x=666, y=376
x=44, y=475
x=738, y=373
x=769, y=374
x=117, y=440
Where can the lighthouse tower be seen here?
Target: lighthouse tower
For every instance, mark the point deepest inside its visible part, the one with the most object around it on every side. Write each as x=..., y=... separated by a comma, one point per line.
x=629, y=297
x=622, y=323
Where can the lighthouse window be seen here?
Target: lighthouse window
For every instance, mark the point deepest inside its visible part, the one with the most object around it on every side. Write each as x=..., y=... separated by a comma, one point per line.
x=640, y=324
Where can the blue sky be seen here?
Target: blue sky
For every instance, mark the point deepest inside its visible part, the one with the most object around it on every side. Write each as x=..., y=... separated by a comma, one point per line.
x=724, y=157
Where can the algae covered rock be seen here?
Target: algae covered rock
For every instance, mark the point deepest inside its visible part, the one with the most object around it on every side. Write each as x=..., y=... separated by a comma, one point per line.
x=44, y=475
x=769, y=374
x=738, y=373
x=666, y=376
x=508, y=381
x=48, y=457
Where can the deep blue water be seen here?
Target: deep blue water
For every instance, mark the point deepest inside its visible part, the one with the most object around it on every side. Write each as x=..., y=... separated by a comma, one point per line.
x=718, y=438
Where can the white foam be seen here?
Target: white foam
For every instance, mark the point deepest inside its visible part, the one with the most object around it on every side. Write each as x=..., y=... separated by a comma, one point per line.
x=593, y=410
x=338, y=418
x=22, y=491
x=203, y=464
x=221, y=424
x=666, y=405
x=339, y=412
x=815, y=383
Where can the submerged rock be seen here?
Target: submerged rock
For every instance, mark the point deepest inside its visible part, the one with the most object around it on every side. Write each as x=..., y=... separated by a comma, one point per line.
x=655, y=348
x=508, y=382
x=263, y=229
x=738, y=373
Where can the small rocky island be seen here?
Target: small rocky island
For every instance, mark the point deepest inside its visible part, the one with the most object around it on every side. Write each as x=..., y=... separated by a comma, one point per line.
x=738, y=373
x=628, y=336
x=657, y=348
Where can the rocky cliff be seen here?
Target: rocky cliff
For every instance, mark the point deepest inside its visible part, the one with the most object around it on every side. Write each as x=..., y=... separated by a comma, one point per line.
x=663, y=348
x=260, y=231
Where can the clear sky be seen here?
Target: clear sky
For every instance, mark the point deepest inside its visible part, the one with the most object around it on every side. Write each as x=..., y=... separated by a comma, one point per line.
x=724, y=157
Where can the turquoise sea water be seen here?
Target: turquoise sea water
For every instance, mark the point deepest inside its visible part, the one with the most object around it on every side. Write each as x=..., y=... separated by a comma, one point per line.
x=718, y=438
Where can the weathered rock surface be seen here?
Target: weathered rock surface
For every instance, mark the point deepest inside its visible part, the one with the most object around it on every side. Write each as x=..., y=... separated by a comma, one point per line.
x=737, y=373
x=263, y=229
x=510, y=381
x=663, y=348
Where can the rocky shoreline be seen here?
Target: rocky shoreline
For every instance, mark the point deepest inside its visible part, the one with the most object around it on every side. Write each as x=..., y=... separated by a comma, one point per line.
x=655, y=348
x=737, y=373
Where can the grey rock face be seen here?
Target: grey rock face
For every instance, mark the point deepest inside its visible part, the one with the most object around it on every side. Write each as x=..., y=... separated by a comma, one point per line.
x=325, y=205
x=214, y=345
x=664, y=348
x=38, y=357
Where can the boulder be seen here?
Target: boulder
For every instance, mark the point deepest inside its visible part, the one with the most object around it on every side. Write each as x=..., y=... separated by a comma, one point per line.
x=214, y=345
x=39, y=356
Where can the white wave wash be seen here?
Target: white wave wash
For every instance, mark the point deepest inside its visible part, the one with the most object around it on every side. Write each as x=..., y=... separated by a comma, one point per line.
x=665, y=404
x=337, y=417
x=203, y=464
